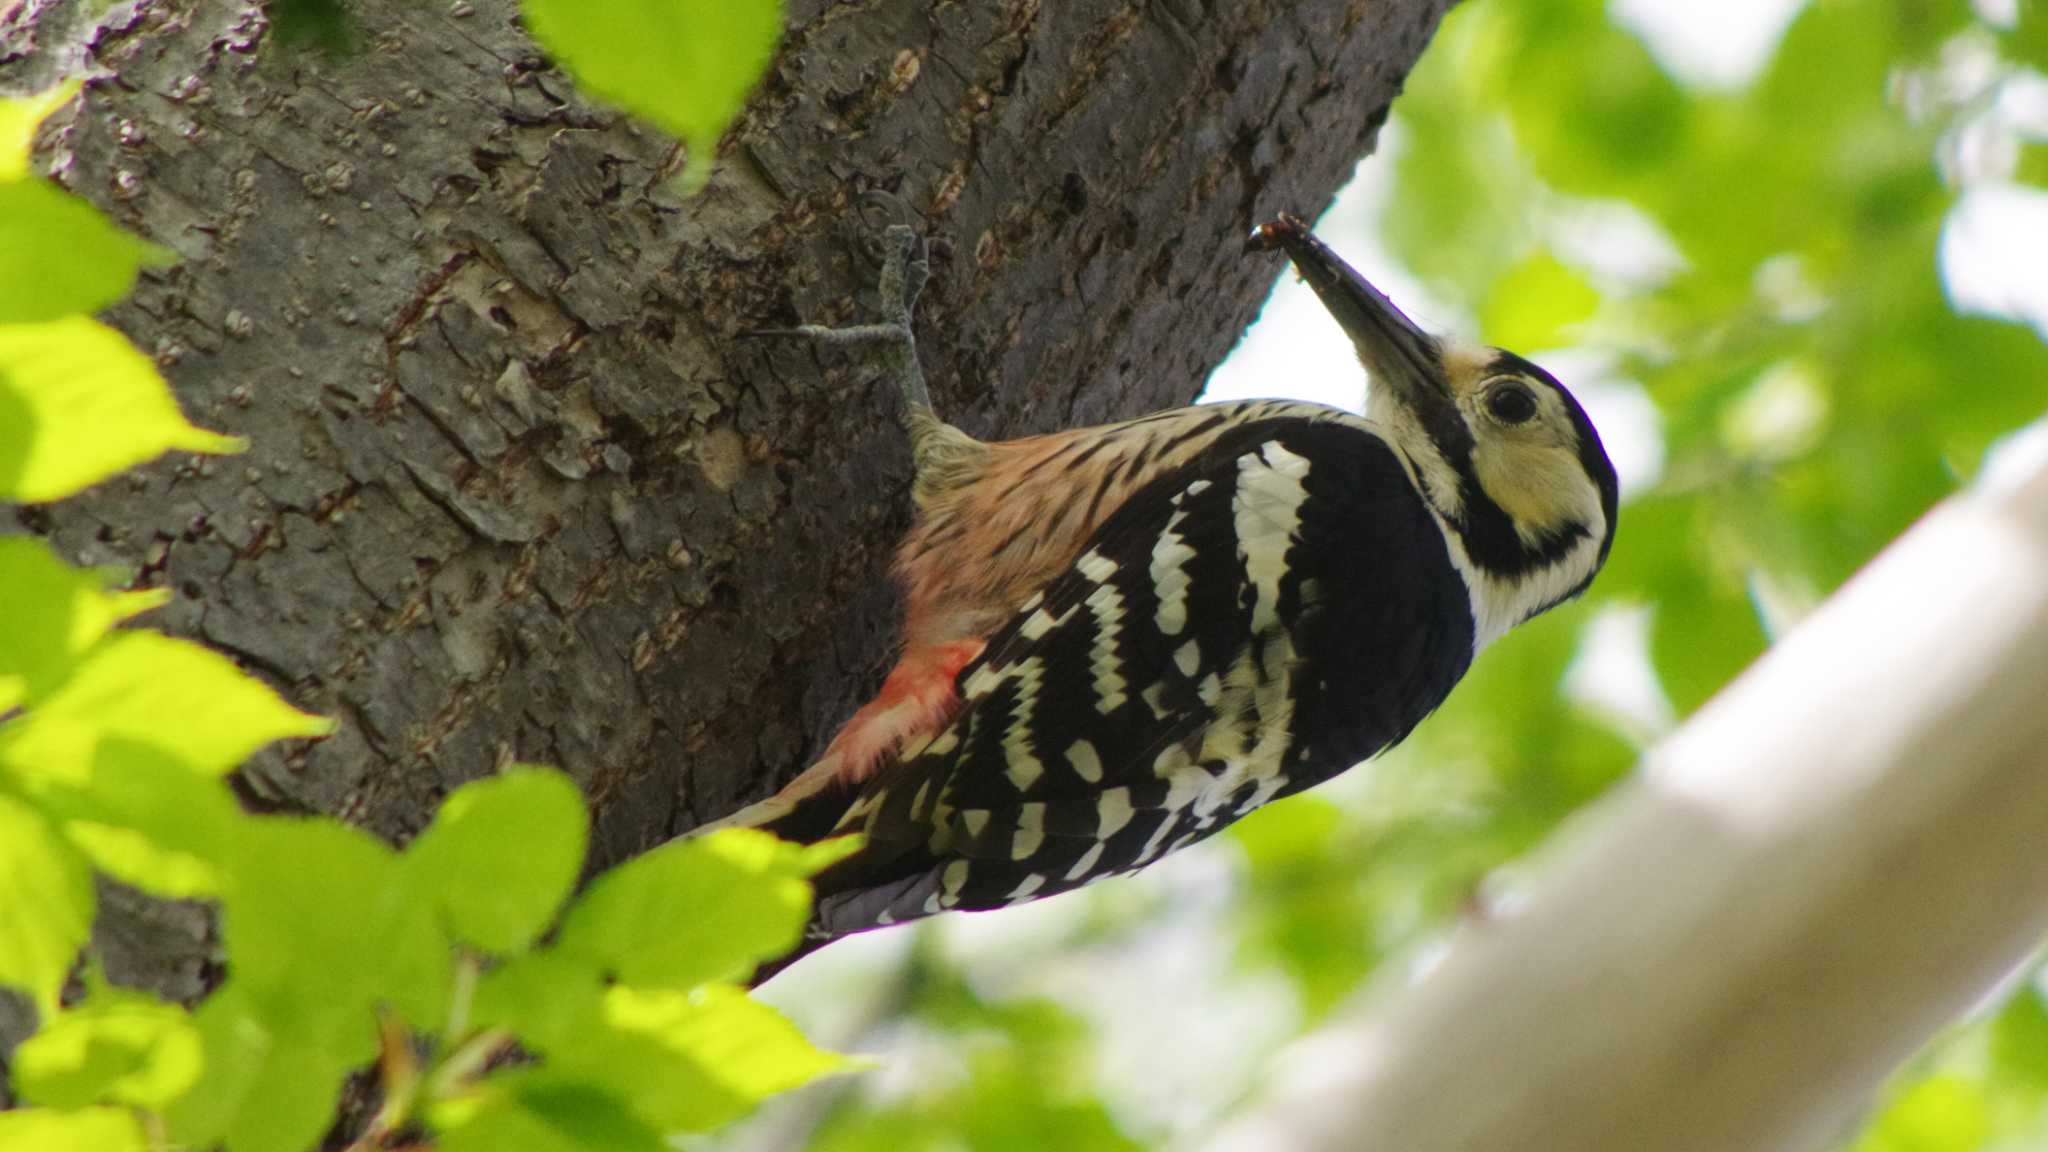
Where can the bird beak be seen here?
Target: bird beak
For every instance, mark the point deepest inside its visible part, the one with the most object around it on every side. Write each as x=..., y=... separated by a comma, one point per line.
x=1397, y=353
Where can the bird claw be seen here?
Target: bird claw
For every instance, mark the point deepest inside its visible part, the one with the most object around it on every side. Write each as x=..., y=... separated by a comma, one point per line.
x=906, y=268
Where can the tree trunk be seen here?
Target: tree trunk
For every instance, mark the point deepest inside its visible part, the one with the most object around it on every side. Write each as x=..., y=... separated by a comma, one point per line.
x=517, y=490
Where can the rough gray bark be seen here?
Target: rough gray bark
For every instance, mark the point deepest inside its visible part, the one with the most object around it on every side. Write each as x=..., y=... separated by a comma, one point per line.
x=516, y=490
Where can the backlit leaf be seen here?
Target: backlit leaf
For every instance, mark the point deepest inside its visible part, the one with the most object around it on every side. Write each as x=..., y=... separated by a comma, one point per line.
x=263, y=1088
x=18, y=122
x=304, y=894
x=154, y=691
x=46, y=904
x=146, y=818
x=682, y=1061
x=118, y=1047
x=685, y=65
x=534, y=1113
x=59, y=256
x=55, y=613
x=87, y=1130
x=502, y=855
x=78, y=404
x=695, y=910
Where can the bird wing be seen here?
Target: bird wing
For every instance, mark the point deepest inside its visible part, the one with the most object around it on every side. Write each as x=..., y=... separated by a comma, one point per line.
x=1250, y=623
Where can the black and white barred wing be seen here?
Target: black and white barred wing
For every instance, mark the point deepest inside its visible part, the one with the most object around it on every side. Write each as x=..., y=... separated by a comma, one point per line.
x=1179, y=675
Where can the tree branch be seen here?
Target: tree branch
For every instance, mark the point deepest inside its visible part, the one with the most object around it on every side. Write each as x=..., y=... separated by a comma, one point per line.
x=1835, y=857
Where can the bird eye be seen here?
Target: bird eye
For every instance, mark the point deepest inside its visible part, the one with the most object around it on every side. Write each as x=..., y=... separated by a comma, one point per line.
x=1511, y=404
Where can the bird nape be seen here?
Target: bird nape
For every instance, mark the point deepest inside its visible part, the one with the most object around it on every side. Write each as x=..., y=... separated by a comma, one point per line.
x=1119, y=639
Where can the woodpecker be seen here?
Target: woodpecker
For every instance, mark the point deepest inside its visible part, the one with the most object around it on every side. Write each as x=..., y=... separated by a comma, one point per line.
x=1120, y=639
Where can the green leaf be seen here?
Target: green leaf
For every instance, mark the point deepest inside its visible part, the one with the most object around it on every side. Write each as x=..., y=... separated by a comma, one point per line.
x=1536, y=304
x=79, y=404
x=685, y=65
x=147, y=819
x=534, y=1114
x=2019, y=1038
x=263, y=1088
x=683, y=1061
x=56, y=613
x=502, y=855
x=88, y=1130
x=18, y=122
x=158, y=692
x=46, y=904
x=696, y=910
x=544, y=999
x=744, y=1051
x=59, y=256
x=1939, y=1114
x=322, y=927
x=118, y=1048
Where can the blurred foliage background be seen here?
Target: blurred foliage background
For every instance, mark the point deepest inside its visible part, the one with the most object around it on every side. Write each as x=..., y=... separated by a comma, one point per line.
x=1759, y=273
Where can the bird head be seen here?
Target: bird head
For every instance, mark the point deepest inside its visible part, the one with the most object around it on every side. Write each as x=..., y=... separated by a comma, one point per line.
x=1503, y=453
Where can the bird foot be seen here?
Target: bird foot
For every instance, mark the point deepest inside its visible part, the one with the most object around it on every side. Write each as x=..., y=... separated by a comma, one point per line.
x=906, y=268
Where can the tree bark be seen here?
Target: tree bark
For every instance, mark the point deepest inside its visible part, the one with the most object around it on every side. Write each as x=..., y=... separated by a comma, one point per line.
x=516, y=489
x=1835, y=857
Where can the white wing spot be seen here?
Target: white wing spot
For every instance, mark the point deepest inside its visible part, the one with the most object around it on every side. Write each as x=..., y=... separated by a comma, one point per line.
x=976, y=820
x=953, y=879
x=1155, y=698
x=1158, y=840
x=1022, y=892
x=1030, y=835
x=1086, y=863
x=1170, y=555
x=1112, y=812
x=1041, y=623
x=1087, y=764
x=1267, y=507
x=1189, y=658
x=1095, y=566
x=1108, y=605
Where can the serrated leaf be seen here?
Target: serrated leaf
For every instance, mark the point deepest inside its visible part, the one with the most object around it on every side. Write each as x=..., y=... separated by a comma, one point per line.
x=532, y=1113
x=682, y=1061
x=55, y=614
x=79, y=404
x=158, y=692
x=322, y=928
x=685, y=65
x=262, y=1089
x=19, y=120
x=87, y=1130
x=502, y=855
x=117, y=1048
x=694, y=911
x=46, y=904
x=59, y=256
x=747, y=1049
